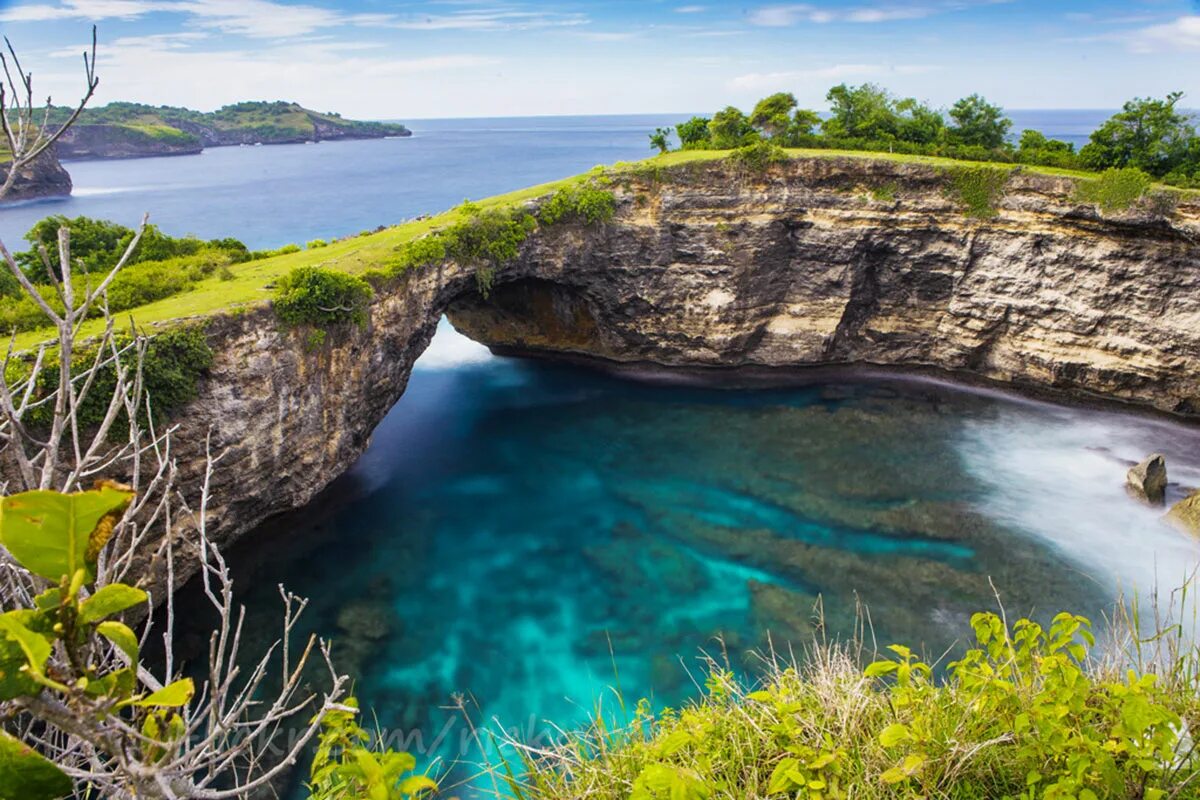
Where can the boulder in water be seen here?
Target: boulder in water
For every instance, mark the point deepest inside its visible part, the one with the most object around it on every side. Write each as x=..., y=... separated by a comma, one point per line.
x=1185, y=514
x=1147, y=481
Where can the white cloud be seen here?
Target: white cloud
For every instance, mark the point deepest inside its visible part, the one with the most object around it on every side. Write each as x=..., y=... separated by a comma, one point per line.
x=485, y=20
x=94, y=10
x=792, y=78
x=784, y=16
x=691, y=9
x=780, y=16
x=266, y=19
x=1179, y=34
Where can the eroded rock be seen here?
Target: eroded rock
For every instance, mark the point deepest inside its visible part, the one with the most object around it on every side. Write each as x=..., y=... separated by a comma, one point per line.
x=1185, y=514
x=1147, y=481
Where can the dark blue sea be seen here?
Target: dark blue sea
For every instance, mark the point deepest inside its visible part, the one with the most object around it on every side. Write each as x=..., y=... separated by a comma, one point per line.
x=527, y=539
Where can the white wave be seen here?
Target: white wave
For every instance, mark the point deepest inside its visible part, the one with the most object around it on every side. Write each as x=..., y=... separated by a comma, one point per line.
x=1060, y=477
x=101, y=191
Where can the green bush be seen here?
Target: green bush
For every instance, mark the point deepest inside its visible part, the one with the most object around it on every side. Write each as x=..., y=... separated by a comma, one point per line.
x=586, y=202
x=978, y=189
x=1026, y=713
x=315, y=244
x=174, y=362
x=319, y=296
x=1115, y=189
x=758, y=157
x=483, y=239
x=97, y=245
x=135, y=285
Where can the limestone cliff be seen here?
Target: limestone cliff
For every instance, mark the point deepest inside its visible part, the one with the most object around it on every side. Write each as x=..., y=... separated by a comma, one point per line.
x=711, y=266
x=45, y=177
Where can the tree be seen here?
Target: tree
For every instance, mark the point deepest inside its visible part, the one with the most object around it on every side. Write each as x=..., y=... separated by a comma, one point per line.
x=660, y=140
x=804, y=126
x=730, y=128
x=772, y=116
x=82, y=555
x=1035, y=148
x=1147, y=133
x=861, y=112
x=978, y=122
x=918, y=122
x=693, y=134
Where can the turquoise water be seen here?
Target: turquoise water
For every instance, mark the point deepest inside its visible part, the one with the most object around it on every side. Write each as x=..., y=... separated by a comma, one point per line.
x=527, y=535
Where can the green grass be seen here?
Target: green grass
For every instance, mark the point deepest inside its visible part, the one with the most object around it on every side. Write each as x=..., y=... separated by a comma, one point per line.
x=1028, y=712
x=251, y=282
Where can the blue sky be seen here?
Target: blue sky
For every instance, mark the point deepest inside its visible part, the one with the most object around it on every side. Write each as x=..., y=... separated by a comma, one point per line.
x=382, y=59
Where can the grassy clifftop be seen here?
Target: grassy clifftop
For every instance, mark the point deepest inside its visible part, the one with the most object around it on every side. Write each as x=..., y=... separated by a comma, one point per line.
x=249, y=284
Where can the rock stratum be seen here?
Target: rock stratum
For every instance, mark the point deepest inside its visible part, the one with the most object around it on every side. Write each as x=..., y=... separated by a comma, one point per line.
x=715, y=267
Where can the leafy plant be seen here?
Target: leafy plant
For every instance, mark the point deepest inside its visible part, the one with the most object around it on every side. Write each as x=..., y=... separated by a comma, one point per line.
x=758, y=157
x=319, y=296
x=1025, y=713
x=343, y=768
x=1115, y=189
x=978, y=189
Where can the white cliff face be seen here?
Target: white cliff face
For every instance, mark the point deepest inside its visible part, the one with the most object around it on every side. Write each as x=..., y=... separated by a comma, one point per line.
x=708, y=267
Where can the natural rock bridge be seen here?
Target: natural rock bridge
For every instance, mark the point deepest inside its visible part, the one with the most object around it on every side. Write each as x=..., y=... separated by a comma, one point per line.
x=708, y=266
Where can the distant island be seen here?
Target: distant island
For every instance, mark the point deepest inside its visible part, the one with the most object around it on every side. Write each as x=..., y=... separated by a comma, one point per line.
x=136, y=130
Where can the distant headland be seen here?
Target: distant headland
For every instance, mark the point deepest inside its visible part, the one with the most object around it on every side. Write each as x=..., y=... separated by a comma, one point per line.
x=135, y=130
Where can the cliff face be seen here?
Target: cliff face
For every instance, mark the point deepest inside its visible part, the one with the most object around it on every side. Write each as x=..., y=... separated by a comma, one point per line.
x=803, y=267
x=121, y=141
x=710, y=267
x=45, y=177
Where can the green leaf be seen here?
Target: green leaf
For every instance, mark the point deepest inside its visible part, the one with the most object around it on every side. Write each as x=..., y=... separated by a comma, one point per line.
x=13, y=681
x=414, y=785
x=112, y=599
x=894, y=734
x=27, y=775
x=34, y=646
x=117, y=685
x=120, y=634
x=172, y=695
x=781, y=782
x=880, y=668
x=51, y=598
x=53, y=534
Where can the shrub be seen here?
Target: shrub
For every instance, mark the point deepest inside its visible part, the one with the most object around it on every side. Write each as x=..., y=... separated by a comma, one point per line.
x=1026, y=713
x=1115, y=189
x=319, y=296
x=586, y=202
x=97, y=245
x=174, y=362
x=758, y=157
x=315, y=244
x=978, y=189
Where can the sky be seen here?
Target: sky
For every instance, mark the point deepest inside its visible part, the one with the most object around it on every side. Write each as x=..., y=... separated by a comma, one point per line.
x=379, y=59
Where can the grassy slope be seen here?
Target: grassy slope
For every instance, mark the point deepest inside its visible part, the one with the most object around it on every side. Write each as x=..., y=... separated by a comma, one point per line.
x=251, y=280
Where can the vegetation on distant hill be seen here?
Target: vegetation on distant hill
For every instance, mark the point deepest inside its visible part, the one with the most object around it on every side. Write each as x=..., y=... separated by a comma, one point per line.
x=1027, y=713
x=1148, y=134
x=129, y=129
